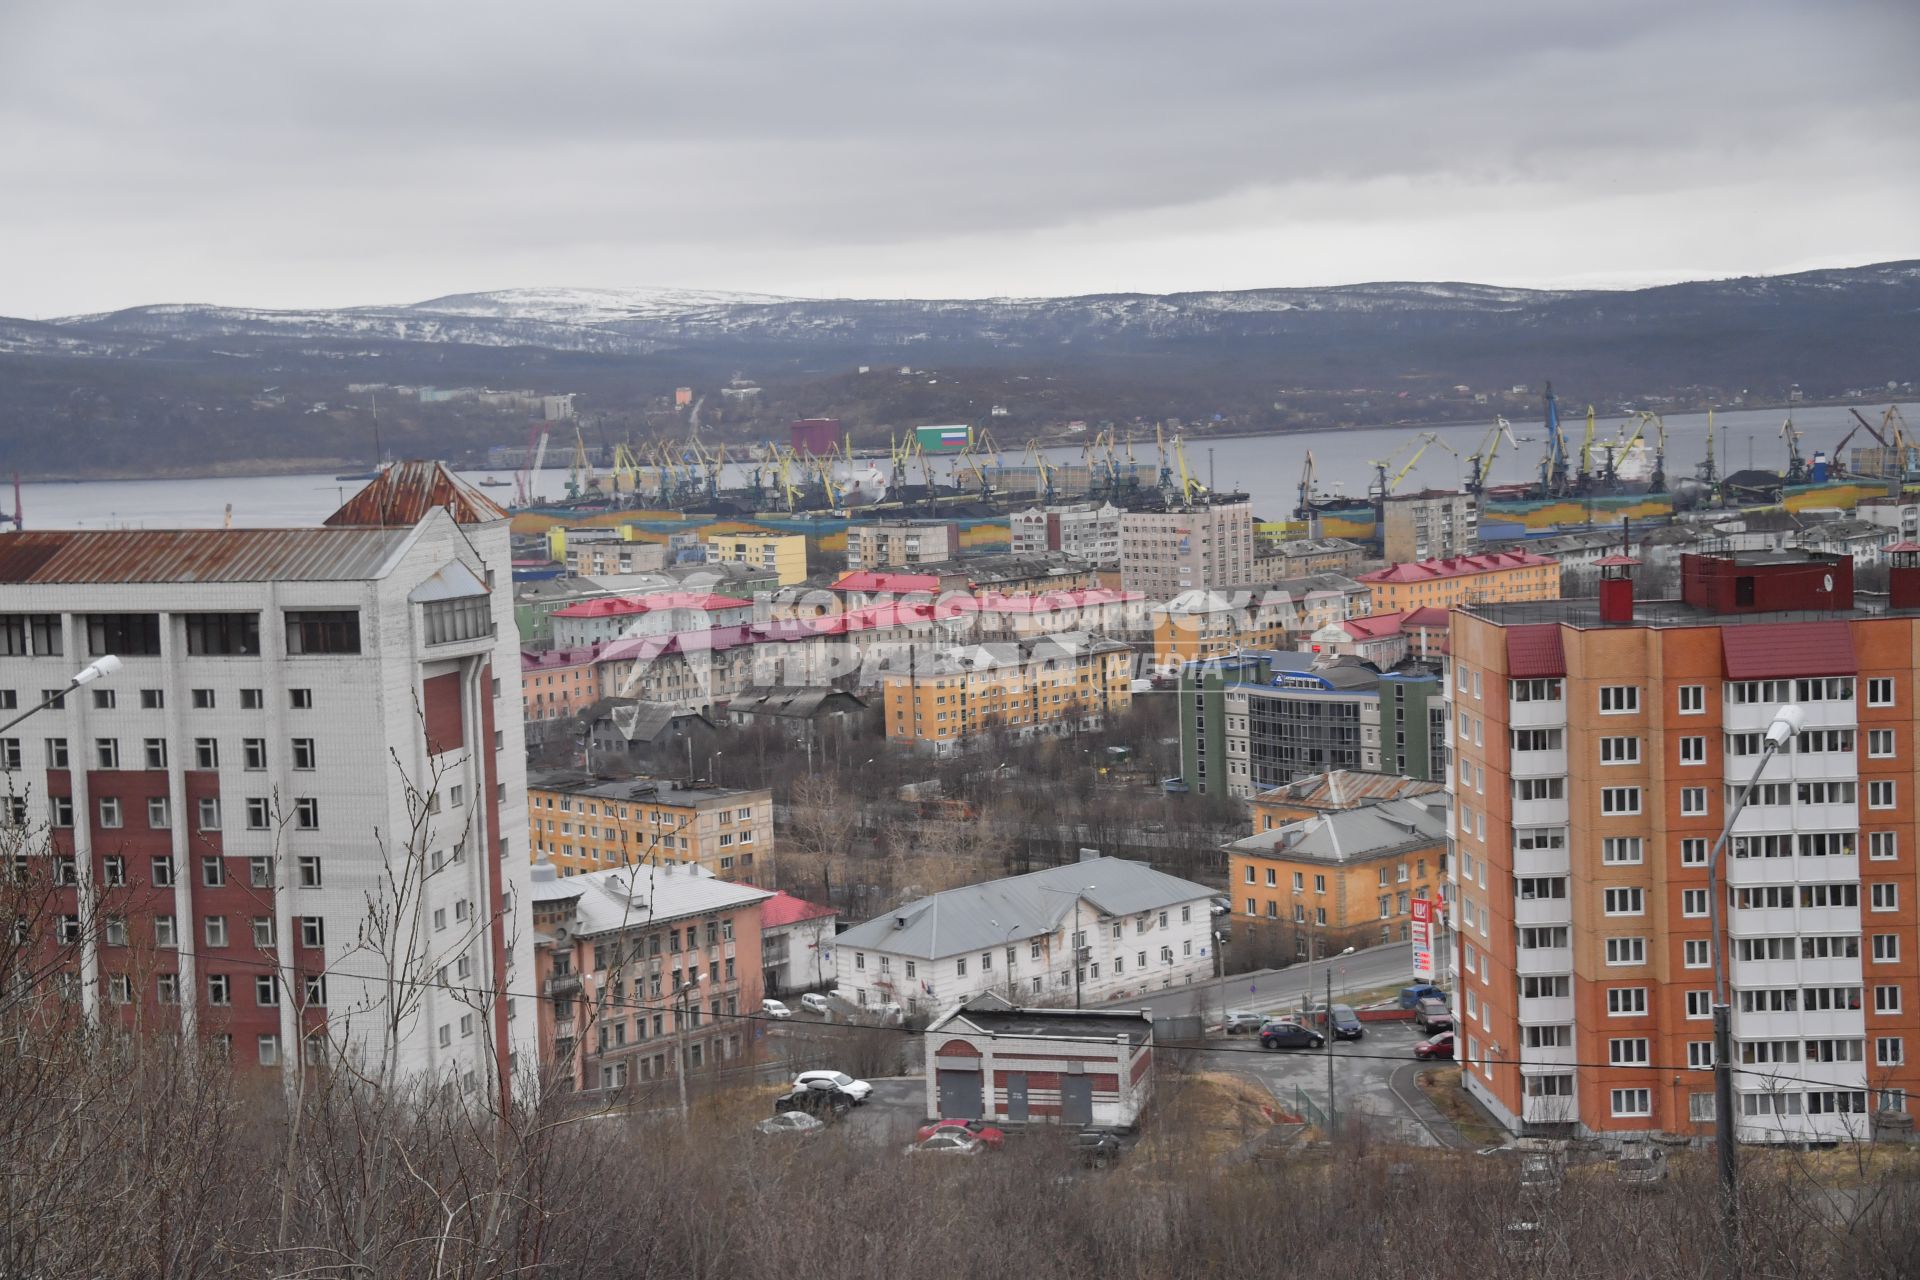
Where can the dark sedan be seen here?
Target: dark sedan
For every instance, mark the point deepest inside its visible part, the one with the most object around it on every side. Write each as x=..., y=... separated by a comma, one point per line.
x=1290, y=1035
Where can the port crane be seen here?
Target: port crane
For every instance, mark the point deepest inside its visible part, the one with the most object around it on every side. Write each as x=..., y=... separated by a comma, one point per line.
x=1190, y=485
x=1480, y=461
x=1553, y=464
x=536, y=458
x=1796, y=465
x=1383, y=485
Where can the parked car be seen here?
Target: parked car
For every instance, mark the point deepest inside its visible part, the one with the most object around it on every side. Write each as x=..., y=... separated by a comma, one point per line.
x=1240, y=1022
x=824, y=1100
x=1440, y=1046
x=798, y=1123
x=1410, y=997
x=1539, y=1173
x=774, y=1009
x=947, y=1143
x=1222, y=907
x=992, y=1135
x=1290, y=1035
x=1096, y=1147
x=1432, y=1015
x=1640, y=1165
x=888, y=1013
x=1345, y=1023
x=858, y=1090
x=814, y=1002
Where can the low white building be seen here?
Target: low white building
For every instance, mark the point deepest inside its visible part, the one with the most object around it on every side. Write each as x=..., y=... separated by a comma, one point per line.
x=1136, y=931
x=988, y=1060
x=796, y=936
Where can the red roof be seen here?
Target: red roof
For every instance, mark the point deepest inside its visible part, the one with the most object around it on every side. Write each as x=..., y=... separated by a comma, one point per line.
x=1376, y=626
x=1455, y=567
x=552, y=659
x=406, y=491
x=1770, y=650
x=784, y=908
x=1431, y=615
x=1902, y=546
x=626, y=606
x=1535, y=650
x=879, y=580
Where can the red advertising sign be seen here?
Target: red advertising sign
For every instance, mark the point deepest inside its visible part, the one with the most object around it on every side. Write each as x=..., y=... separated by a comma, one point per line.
x=1422, y=934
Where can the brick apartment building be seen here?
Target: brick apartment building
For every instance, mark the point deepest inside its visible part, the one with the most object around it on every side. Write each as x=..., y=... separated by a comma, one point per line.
x=229, y=810
x=1441, y=584
x=637, y=966
x=1597, y=747
x=583, y=824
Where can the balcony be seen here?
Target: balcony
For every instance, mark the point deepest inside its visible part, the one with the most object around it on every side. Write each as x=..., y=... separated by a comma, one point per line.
x=1540, y=813
x=1563, y=1109
x=1538, y=960
x=561, y=984
x=1546, y=1009
x=1539, y=764
x=1540, y=862
x=1537, y=715
x=1559, y=1056
x=1542, y=911
x=1755, y=717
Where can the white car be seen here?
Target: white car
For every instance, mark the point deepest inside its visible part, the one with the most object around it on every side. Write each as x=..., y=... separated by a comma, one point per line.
x=858, y=1090
x=794, y=1122
x=814, y=1002
x=774, y=1009
x=948, y=1144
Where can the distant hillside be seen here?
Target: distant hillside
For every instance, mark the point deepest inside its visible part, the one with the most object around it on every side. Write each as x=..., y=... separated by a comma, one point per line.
x=187, y=386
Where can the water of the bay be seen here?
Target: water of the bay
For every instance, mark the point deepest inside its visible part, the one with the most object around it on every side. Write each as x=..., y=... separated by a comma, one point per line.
x=1267, y=467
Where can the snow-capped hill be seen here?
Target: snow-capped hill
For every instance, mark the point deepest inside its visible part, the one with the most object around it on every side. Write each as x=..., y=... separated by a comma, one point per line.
x=589, y=306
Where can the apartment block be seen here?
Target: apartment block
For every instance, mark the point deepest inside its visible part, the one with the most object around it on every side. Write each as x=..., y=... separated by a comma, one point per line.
x=582, y=824
x=1598, y=747
x=1442, y=584
x=309, y=768
x=664, y=613
x=1051, y=685
x=645, y=972
x=1204, y=544
x=1255, y=721
x=883, y=544
x=1433, y=524
x=1086, y=531
x=783, y=554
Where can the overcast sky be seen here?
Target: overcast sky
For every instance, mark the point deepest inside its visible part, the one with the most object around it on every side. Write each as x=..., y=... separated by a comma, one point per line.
x=329, y=152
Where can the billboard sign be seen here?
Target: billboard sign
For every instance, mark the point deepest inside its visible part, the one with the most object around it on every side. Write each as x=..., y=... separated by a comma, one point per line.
x=1423, y=939
x=943, y=439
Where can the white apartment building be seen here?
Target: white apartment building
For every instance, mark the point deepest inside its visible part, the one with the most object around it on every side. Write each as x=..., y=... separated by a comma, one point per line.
x=1135, y=931
x=1206, y=544
x=315, y=740
x=884, y=544
x=1086, y=531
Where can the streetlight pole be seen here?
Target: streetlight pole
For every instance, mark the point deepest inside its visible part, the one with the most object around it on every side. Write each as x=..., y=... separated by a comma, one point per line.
x=680, y=1043
x=1787, y=721
x=105, y=665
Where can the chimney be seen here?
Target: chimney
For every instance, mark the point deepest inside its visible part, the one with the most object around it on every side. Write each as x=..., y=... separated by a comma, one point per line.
x=1616, y=589
x=1903, y=579
x=1088, y=855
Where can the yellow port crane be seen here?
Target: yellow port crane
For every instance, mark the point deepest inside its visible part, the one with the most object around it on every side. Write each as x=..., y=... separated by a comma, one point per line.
x=1190, y=485
x=1480, y=461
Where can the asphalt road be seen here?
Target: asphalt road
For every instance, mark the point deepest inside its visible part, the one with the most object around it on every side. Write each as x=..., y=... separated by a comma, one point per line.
x=1279, y=990
x=1363, y=1076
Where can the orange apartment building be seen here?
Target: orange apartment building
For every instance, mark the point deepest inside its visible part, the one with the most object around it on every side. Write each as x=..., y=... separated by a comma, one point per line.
x=637, y=966
x=1050, y=685
x=1493, y=578
x=1596, y=748
x=556, y=684
x=582, y=824
x=1345, y=877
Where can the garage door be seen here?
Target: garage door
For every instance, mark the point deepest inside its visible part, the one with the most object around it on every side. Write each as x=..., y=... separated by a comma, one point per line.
x=960, y=1095
x=1076, y=1099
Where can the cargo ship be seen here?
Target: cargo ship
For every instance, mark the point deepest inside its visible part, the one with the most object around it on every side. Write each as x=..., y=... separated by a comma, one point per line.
x=1602, y=482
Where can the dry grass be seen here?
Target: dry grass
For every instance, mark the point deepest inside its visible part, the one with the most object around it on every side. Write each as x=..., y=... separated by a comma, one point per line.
x=1443, y=1088
x=1204, y=1116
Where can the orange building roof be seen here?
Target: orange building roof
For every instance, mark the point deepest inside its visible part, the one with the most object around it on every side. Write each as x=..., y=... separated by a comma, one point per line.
x=406, y=491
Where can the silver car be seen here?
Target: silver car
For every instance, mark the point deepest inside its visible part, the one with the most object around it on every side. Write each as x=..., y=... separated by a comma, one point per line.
x=1239, y=1022
x=791, y=1122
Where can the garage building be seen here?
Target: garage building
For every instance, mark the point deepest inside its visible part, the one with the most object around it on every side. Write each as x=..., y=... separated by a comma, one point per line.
x=1077, y=1067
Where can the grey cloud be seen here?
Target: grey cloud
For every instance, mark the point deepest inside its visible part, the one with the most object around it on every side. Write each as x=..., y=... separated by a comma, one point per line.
x=454, y=138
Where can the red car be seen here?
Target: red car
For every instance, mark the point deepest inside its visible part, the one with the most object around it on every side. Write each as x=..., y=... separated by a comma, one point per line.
x=980, y=1129
x=1440, y=1046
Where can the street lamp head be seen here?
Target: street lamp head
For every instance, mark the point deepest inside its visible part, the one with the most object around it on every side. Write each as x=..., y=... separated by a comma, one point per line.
x=105, y=665
x=1787, y=721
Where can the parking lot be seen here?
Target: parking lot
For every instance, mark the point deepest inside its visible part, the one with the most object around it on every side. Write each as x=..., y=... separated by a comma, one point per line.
x=1364, y=1076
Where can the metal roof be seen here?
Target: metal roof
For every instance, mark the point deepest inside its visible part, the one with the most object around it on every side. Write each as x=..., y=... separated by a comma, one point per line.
x=1347, y=789
x=621, y=898
x=406, y=491
x=1535, y=650
x=1051, y=1024
x=197, y=555
x=1456, y=566
x=999, y=912
x=1771, y=650
x=1353, y=835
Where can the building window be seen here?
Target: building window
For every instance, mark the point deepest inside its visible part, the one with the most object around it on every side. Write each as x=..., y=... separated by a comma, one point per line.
x=127, y=635
x=1880, y=794
x=1693, y=851
x=450, y=621
x=1693, y=902
x=109, y=811
x=1699, y=1004
x=1630, y=1052
x=1626, y=951
x=1880, y=691
x=300, y=699
x=206, y=753
x=1889, y=1051
x=269, y=1047
x=1626, y=1002
x=309, y=871
x=1885, y=897
x=1619, y=751
x=213, y=872
x=1880, y=743
x=1622, y=851
x=219, y=989
x=1619, y=699
x=1886, y=948
x=1693, y=699
x=1693, y=802
x=1625, y=901
x=203, y=700
x=306, y=813
x=1632, y=1102
x=303, y=753
x=1619, y=801
x=223, y=634
x=323, y=631
x=255, y=752
x=252, y=699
